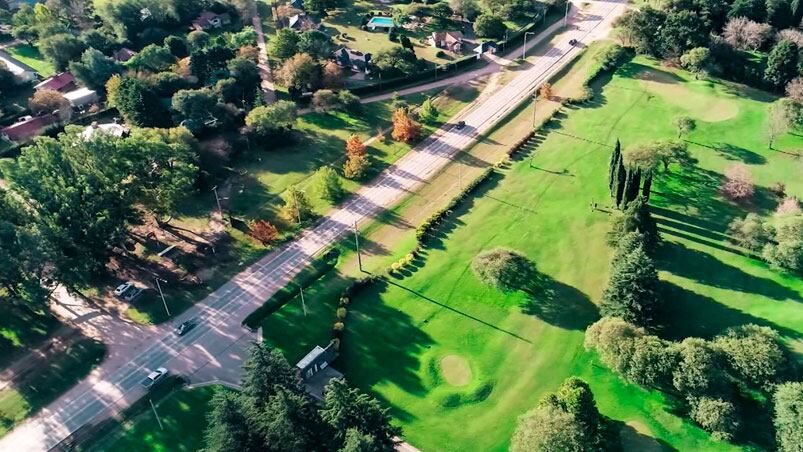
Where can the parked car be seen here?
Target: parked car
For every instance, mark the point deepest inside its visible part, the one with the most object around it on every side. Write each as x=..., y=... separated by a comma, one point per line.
x=184, y=327
x=154, y=377
x=132, y=293
x=123, y=288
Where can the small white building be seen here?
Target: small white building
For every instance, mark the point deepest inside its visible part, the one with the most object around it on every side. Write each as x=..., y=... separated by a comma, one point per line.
x=112, y=129
x=22, y=71
x=81, y=97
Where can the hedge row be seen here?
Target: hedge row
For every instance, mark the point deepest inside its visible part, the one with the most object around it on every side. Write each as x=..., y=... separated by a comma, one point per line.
x=416, y=77
x=433, y=221
x=341, y=314
x=602, y=68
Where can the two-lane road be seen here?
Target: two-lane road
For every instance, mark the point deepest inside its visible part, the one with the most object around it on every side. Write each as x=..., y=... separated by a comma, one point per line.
x=114, y=386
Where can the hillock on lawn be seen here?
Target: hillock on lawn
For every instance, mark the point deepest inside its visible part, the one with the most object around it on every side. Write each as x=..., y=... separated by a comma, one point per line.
x=400, y=332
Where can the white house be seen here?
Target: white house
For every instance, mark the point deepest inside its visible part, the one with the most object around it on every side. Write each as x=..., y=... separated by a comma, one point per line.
x=112, y=129
x=81, y=97
x=22, y=71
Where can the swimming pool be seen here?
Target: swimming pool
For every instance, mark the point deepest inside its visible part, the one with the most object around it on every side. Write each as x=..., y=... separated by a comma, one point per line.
x=380, y=22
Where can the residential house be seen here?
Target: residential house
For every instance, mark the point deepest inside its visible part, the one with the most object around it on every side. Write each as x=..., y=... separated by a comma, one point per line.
x=353, y=59
x=22, y=71
x=302, y=22
x=28, y=127
x=81, y=97
x=315, y=369
x=447, y=40
x=124, y=54
x=112, y=129
x=208, y=20
x=487, y=46
x=62, y=83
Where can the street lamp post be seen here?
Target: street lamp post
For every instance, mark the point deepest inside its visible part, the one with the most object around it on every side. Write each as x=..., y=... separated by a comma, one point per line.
x=357, y=243
x=535, y=99
x=524, y=47
x=217, y=200
x=161, y=294
x=566, y=15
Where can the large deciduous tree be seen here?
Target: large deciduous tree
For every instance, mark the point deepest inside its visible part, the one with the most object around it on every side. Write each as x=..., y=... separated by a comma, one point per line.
x=789, y=417
x=781, y=64
x=136, y=101
x=272, y=120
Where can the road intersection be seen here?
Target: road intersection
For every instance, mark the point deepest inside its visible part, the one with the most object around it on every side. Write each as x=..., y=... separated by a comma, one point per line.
x=115, y=385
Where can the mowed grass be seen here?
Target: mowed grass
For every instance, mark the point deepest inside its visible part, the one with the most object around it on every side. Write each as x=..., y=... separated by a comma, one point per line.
x=30, y=55
x=398, y=333
x=41, y=387
x=183, y=416
x=22, y=328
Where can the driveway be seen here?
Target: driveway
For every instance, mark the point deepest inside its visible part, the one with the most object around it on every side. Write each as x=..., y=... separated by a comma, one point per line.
x=115, y=385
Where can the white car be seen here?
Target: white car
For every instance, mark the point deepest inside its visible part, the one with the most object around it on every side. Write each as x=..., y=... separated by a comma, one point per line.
x=154, y=377
x=123, y=288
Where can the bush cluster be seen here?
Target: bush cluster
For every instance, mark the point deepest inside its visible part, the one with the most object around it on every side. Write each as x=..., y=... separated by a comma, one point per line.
x=341, y=313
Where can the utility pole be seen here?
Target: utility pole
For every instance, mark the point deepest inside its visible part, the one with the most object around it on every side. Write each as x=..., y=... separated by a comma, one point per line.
x=303, y=303
x=566, y=15
x=298, y=208
x=357, y=243
x=524, y=47
x=161, y=427
x=161, y=294
x=217, y=200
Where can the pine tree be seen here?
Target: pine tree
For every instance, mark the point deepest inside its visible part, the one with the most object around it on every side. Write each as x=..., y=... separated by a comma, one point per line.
x=636, y=218
x=347, y=408
x=631, y=293
x=228, y=425
x=265, y=371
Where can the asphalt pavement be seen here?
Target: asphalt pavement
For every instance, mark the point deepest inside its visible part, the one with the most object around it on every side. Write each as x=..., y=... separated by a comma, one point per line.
x=115, y=385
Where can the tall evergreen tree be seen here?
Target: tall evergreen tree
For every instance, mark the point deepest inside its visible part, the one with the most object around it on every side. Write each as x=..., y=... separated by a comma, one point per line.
x=267, y=371
x=636, y=218
x=228, y=426
x=620, y=178
x=347, y=408
x=616, y=157
x=631, y=293
x=634, y=187
x=646, y=190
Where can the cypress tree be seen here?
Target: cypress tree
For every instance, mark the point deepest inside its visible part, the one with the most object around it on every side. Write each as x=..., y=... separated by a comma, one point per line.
x=620, y=180
x=633, y=187
x=647, y=189
x=616, y=156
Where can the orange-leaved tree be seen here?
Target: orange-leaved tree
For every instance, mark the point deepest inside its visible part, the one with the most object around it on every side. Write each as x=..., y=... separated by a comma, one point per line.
x=404, y=127
x=263, y=231
x=354, y=146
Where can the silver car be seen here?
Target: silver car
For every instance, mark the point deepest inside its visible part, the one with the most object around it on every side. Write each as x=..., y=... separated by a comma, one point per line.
x=154, y=377
x=123, y=288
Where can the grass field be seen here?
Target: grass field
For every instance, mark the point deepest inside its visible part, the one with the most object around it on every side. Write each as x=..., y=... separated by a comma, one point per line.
x=22, y=329
x=22, y=400
x=183, y=416
x=400, y=333
x=30, y=55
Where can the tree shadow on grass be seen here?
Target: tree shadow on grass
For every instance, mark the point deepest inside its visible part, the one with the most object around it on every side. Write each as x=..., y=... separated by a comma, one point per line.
x=689, y=314
x=382, y=345
x=733, y=152
x=560, y=305
x=633, y=440
x=707, y=269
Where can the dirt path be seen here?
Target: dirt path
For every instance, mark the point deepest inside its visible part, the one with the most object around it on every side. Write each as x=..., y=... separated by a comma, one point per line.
x=268, y=88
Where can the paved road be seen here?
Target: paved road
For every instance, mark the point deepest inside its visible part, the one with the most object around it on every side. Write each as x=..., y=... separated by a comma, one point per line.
x=115, y=384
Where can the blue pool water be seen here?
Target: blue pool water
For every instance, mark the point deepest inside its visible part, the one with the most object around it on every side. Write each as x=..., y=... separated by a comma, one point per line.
x=381, y=22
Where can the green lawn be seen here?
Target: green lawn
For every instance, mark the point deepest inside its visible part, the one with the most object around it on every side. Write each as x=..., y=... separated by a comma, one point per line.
x=30, y=55
x=183, y=416
x=22, y=329
x=399, y=334
x=42, y=387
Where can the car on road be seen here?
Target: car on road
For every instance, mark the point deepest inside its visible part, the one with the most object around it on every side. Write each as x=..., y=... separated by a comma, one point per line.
x=123, y=288
x=572, y=42
x=460, y=125
x=154, y=377
x=132, y=293
x=184, y=327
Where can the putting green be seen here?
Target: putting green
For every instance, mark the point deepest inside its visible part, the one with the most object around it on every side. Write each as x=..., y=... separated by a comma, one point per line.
x=455, y=370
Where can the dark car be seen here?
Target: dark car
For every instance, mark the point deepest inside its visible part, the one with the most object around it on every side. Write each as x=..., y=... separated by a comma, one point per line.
x=184, y=327
x=572, y=42
x=460, y=125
